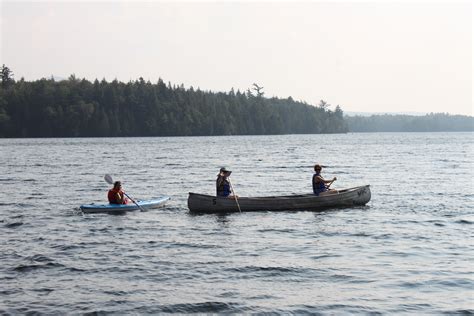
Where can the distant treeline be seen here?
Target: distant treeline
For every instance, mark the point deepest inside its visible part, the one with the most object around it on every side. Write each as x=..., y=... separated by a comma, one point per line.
x=434, y=122
x=80, y=108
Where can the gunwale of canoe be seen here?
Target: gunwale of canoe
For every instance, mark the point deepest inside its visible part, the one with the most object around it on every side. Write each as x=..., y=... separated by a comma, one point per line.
x=201, y=203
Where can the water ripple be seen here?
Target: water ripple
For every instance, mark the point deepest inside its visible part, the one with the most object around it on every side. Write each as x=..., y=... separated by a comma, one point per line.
x=404, y=253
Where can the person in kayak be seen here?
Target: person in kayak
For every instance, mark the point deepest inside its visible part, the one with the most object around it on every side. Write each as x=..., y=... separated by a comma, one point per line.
x=320, y=185
x=116, y=195
x=223, y=187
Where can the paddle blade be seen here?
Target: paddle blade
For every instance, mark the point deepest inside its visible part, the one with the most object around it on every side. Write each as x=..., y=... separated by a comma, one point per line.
x=108, y=179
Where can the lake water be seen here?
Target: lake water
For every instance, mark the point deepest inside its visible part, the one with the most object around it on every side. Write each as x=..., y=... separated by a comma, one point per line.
x=410, y=250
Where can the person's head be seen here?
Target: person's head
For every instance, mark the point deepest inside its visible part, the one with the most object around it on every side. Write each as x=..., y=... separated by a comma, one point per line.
x=117, y=185
x=224, y=172
x=317, y=168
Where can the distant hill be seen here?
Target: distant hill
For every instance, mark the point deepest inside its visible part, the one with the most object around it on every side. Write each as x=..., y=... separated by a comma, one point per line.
x=433, y=122
x=384, y=113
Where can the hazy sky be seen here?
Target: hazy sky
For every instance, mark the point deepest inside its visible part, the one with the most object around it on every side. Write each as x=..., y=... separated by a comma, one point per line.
x=383, y=56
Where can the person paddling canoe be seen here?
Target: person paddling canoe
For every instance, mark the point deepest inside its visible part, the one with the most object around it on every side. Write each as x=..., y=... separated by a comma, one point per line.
x=116, y=195
x=320, y=185
x=223, y=187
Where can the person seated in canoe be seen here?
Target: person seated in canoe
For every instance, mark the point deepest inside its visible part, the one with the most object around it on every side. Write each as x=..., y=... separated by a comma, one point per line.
x=320, y=185
x=116, y=195
x=223, y=186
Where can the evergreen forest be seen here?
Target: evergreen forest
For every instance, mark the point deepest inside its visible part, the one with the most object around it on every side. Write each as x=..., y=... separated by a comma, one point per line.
x=80, y=108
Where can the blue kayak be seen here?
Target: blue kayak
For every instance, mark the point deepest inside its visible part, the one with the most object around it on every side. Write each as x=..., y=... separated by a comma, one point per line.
x=120, y=208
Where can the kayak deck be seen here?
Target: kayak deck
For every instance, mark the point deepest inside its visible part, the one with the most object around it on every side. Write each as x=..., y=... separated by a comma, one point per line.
x=120, y=208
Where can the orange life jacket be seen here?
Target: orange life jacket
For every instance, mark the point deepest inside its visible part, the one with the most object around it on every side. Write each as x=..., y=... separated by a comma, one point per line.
x=113, y=196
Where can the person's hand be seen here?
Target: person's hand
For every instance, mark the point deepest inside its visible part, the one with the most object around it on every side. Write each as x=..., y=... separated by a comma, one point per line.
x=334, y=179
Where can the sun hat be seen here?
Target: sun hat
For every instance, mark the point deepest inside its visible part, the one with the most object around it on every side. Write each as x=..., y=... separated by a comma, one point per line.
x=224, y=170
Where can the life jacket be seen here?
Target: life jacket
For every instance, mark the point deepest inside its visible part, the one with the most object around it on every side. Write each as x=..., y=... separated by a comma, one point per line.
x=112, y=195
x=318, y=187
x=222, y=186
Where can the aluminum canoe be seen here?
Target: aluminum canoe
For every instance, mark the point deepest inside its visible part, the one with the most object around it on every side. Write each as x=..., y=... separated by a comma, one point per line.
x=120, y=208
x=201, y=203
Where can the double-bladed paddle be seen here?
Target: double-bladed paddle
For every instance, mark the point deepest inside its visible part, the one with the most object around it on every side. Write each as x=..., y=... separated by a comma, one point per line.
x=109, y=180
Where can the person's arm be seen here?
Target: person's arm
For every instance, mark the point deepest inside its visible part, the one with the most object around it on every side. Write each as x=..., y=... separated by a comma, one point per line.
x=121, y=197
x=321, y=179
x=118, y=198
x=329, y=181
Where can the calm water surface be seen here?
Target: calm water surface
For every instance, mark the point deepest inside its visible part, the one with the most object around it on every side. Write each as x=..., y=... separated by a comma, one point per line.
x=410, y=250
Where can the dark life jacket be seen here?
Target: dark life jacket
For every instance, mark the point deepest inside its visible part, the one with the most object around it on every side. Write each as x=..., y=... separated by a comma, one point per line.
x=318, y=187
x=222, y=186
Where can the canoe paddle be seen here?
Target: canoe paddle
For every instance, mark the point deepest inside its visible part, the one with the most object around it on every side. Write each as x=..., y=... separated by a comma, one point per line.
x=109, y=180
x=235, y=196
x=331, y=183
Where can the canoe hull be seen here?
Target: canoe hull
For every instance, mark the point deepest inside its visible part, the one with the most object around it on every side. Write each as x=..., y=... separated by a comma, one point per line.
x=121, y=208
x=201, y=203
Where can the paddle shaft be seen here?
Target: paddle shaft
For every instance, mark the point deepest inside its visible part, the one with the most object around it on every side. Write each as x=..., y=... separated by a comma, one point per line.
x=141, y=208
x=330, y=183
x=235, y=196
